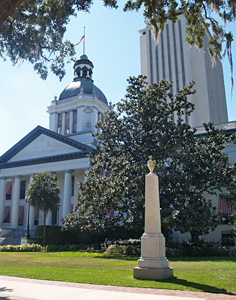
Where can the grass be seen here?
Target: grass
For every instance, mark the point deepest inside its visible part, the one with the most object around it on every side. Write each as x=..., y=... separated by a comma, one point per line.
x=216, y=275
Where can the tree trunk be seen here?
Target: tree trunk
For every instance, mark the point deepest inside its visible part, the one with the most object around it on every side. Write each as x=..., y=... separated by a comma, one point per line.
x=7, y=7
x=44, y=228
x=194, y=238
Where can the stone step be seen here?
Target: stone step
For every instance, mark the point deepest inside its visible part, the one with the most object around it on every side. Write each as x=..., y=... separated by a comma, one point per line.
x=2, y=241
x=14, y=237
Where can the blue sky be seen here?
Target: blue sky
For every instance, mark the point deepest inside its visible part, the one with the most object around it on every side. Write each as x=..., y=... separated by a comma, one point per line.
x=112, y=44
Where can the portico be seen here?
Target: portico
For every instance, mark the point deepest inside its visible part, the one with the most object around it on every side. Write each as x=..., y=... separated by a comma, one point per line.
x=68, y=173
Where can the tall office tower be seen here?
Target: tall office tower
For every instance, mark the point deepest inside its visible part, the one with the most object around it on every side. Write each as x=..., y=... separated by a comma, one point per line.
x=172, y=58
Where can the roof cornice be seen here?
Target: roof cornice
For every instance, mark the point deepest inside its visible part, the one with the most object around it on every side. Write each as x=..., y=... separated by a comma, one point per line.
x=37, y=132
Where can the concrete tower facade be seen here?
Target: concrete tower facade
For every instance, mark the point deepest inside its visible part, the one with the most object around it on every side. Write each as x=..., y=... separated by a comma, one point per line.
x=172, y=58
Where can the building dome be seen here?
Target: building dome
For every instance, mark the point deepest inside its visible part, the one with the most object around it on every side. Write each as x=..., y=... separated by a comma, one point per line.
x=82, y=83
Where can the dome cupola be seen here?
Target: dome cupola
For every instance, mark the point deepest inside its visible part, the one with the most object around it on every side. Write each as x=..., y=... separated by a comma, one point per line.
x=83, y=83
x=80, y=106
x=83, y=68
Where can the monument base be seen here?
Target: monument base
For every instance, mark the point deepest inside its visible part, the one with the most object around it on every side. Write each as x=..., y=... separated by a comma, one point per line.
x=152, y=273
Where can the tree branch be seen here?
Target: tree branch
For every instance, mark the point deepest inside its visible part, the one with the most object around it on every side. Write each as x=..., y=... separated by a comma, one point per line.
x=7, y=7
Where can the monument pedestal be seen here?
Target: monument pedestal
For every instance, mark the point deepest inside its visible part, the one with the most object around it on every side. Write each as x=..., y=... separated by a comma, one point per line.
x=153, y=273
x=153, y=264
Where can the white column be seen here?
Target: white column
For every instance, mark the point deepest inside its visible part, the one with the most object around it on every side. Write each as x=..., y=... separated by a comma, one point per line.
x=71, y=121
x=2, y=198
x=66, y=206
x=32, y=209
x=63, y=123
x=53, y=121
x=79, y=119
x=49, y=218
x=41, y=217
x=95, y=119
x=15, y=202
x=85, y=175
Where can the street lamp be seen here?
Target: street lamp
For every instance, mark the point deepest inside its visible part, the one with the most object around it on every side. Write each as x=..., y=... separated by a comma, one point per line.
x=28, y=233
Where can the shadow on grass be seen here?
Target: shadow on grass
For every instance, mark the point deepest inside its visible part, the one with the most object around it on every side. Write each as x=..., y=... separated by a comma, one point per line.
x=200, y=287
x=113, y=256
x=189, y=259
x=206, y=258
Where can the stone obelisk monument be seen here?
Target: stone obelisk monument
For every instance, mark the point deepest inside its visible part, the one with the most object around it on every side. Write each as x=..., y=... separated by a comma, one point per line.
x=153, y=264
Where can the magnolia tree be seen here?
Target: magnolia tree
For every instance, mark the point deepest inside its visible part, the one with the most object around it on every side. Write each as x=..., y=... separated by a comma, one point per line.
x=43, y=193
x=149, y=121
x=34, y=31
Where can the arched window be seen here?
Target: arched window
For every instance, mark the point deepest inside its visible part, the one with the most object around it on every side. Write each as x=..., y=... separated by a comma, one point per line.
x=67, y=127
x=59, y=124
x=84, y=72
x=74, y=121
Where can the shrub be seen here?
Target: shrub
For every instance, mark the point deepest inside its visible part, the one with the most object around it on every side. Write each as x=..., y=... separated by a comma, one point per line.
x=206, y=249
x=80, y=247
x=54, y=235
x=21, y=248
x=133, y=247
x=123, y=247
x=116, y=249
x=53, y=248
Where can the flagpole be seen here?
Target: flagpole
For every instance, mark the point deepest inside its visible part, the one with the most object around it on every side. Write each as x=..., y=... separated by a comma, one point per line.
x=84, y=42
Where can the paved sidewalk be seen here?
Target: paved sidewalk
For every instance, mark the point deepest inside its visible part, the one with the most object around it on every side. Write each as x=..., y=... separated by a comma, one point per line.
x=14, y=288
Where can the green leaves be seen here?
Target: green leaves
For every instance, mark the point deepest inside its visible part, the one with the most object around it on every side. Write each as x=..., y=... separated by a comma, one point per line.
x=43, y=192
x=150, y=121
x=34, y=31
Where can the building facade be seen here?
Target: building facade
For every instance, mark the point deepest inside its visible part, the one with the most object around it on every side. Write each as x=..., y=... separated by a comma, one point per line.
x=172, y=58
x=61, y=149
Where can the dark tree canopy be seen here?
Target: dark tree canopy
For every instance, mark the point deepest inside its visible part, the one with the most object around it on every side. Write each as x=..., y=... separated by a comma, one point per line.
x=149, y=121
x=43, y=193
x=34, y=30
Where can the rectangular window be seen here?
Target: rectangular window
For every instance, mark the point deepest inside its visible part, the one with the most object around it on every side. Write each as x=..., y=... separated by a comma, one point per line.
x=224, y=207
x=54, y=218
x=74, y=121
x=59, y=124
x=8, y=190
x=22, y=189
x=36, y=216
x=73, y=186
x=21, y=215
x=67, y=127
x=225, y=211
x=7, y=214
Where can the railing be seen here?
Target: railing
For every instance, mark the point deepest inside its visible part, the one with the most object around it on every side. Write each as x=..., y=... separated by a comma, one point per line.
x=225, y=126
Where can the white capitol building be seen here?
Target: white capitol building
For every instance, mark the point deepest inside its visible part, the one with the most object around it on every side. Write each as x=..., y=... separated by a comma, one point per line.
x=61, y=149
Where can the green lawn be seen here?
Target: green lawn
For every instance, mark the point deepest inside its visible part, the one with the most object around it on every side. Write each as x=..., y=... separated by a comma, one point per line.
x=214, y=274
